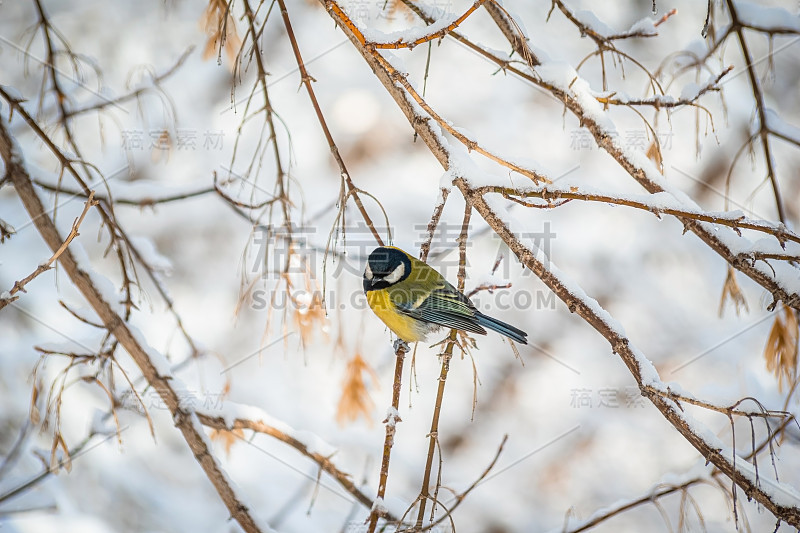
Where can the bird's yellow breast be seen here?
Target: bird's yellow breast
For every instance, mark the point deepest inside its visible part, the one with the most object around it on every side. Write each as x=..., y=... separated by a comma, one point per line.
x=403, y=326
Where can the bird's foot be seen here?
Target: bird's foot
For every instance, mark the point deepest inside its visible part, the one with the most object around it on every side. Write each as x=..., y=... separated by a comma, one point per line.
x=401, y=345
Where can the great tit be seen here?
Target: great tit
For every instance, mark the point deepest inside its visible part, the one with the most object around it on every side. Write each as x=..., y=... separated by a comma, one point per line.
x=414, y=300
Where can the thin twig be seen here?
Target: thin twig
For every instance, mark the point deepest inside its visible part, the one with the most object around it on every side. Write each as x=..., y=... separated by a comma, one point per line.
x=184, y=418
x=727, y=410
x=667, y=102
x=400, y=43
x=424, y=494
x=324, y=462
x=734, y=221
x=280, y=179
x=463, y=495
x=425, y=249
x=392, y=418
x=118, y=200
x=44, y=267
x=306, y=80
x=761, y=108
x=74, y=452
x=604, y=41
x=135, y=94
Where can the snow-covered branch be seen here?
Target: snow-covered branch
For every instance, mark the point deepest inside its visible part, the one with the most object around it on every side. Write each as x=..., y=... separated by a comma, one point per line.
x=153, y=365
x=782, y=500
x=658, y=204
x=578, y=99
x=47, y=265
x=240, y=417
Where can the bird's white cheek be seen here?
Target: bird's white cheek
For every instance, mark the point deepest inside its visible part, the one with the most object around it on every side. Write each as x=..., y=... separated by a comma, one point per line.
x=396, y=274
x=368, y=272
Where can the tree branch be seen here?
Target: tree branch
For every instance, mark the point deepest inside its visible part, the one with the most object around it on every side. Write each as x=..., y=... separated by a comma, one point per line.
x=152, y=365
x=44, y=267
x=577, y=301
x=325, y=463
x=305, y=79
x=377, y=510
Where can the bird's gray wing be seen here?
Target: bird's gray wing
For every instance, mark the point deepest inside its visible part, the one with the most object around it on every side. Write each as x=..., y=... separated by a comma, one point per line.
x=446, y=307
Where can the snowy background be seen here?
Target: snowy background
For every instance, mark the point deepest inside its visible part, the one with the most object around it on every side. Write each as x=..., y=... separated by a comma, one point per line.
x=580, y=437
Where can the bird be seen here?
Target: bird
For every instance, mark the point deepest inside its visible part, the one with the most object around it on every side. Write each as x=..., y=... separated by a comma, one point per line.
x=414, y=300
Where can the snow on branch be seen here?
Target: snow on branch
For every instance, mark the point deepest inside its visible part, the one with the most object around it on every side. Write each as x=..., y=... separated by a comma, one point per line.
x=765, y=19
x=409, y=38
x=781, y=499
x=591, y=26
x=231, y=417
x=658, y=204
x=687, y=98
x=579, y=100
x=152, y=364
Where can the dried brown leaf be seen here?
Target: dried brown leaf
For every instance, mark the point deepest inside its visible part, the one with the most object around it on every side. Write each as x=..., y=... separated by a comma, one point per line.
x=227, y=437
x=220, y=27
x=55, y=462
x=732, y=290
x=309, y=313
x=780, y=352
x=35, y=414
x=654, y=154
x=355, y=400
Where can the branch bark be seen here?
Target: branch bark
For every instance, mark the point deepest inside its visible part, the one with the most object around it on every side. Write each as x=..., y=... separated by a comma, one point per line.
x=580, y=303
x=44, y=267
x=325, y=463
x=606, y=141
x=157, y=375
x=392, y=418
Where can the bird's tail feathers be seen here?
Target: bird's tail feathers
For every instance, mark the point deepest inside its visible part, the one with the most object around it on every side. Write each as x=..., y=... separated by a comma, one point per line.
x=515, y=334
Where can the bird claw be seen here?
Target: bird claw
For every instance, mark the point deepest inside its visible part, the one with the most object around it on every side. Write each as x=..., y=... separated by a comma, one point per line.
x=401, y=345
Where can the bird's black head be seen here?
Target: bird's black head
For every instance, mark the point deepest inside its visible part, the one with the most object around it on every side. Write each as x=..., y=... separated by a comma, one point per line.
x=385, y=267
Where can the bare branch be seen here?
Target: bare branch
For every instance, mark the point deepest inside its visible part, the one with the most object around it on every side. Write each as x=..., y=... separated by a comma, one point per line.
x=733, y=220
x=133, y=95
x=425, y=249
x=447, y=354
x=391, y=420
x=306, y=80
x=119, y=199
x=325, y=463
x=431, y=36
x=44, y=267
x=761, y=108
x=156, y=372
x=573, y=296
